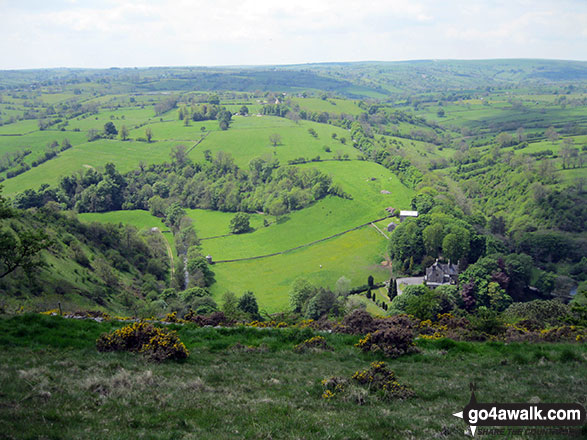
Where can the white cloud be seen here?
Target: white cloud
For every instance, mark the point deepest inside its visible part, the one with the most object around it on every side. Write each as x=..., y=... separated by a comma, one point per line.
x=204, y=32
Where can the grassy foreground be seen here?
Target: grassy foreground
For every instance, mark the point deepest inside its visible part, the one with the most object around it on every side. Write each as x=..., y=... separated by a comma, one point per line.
x=54, y=384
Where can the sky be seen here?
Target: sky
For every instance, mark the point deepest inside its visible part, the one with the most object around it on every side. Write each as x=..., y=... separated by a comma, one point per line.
x=138, y=33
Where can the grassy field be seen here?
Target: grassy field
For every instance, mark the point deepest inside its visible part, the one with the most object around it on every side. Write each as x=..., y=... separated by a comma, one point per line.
x=214, y=223
x=55, y=384
x=37, y=141
x=328, y=105
x=355, y=255
x=248, y=137
x=125, y=155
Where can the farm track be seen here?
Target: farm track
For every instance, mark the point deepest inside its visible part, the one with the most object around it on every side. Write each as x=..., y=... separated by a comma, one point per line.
x=380, y=231
x=169, y=252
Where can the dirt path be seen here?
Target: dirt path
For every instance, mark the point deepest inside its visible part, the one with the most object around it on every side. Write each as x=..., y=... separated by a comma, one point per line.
x=380, y=231
x=169, y=252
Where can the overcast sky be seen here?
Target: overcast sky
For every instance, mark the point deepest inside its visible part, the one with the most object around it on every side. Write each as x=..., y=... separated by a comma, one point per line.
x=107, y=33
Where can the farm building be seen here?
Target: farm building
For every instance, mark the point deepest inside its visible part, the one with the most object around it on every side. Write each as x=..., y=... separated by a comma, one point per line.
x=407, y=214
x=391, y=226
x=439, y=274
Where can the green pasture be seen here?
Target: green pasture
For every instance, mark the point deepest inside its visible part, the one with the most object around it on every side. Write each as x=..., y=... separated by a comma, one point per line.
x=125, y=155
x=20, y=127
x=234, y=108
x=175, y=130
x=248, y=137
x=129, y=116
x=355, y=255
x=498, y=115
x=54, y=98
x=571, y=175
x=327, y=217
x=328, y=105
x=38, y=141
x=210, y=223
x=535, y=147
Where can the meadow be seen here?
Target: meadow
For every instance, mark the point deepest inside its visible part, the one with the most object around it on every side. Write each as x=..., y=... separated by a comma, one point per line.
x=55, y=384
x=127, y=155
x=248, y=137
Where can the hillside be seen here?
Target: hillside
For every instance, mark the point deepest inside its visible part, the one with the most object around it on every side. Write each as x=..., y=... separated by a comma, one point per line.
x=491, y=152
x=247, y=382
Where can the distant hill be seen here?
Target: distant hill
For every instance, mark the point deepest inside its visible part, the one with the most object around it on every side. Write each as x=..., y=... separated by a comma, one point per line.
x=358, y=79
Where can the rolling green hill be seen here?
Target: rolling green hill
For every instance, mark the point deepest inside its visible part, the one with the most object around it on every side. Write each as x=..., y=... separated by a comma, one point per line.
x=497, y=144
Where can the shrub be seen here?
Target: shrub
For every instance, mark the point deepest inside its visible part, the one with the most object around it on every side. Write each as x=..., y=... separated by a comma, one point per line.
x=393, y=341
x=545, y=312
x=486, y=322
x=141, y=337
x=317, y=343
x=378, y=377
x=213, y=319
x=359, y=322
x=377, y=381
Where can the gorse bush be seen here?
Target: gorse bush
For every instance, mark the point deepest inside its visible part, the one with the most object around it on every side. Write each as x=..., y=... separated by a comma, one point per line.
x=381, y=379
x=140, y=337
x=393, y=341
x=376, y=381
x=549, y=312
x=315, y=343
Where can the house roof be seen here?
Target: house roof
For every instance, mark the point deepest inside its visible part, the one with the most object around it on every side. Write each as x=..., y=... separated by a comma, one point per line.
x=408, y=213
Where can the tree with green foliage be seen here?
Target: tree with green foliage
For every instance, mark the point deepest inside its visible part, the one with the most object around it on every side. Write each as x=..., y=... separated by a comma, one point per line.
x=239, y=224
x=21, y=250
x=200, y=272
x=323, y=303
x=342, y=287
x=173, y=215
x=432, y=236
x=300, y=292
x=149, y=134
x=275, y=139
x=230, y=305
x=224, y=117
x=248, y=304
x=243, y=111
x=179, y=156
x=124, y=133
x=110, y=129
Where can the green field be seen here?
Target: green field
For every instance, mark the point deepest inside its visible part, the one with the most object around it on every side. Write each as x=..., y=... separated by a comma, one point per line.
x=248, y=137
x=325, y=218
x=214, y=223
x=328, y=105
x=126, y=155
x=354, y=255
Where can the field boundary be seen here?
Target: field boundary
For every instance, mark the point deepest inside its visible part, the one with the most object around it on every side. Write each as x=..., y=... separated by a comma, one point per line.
x=204, y=136
x=302, y=245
